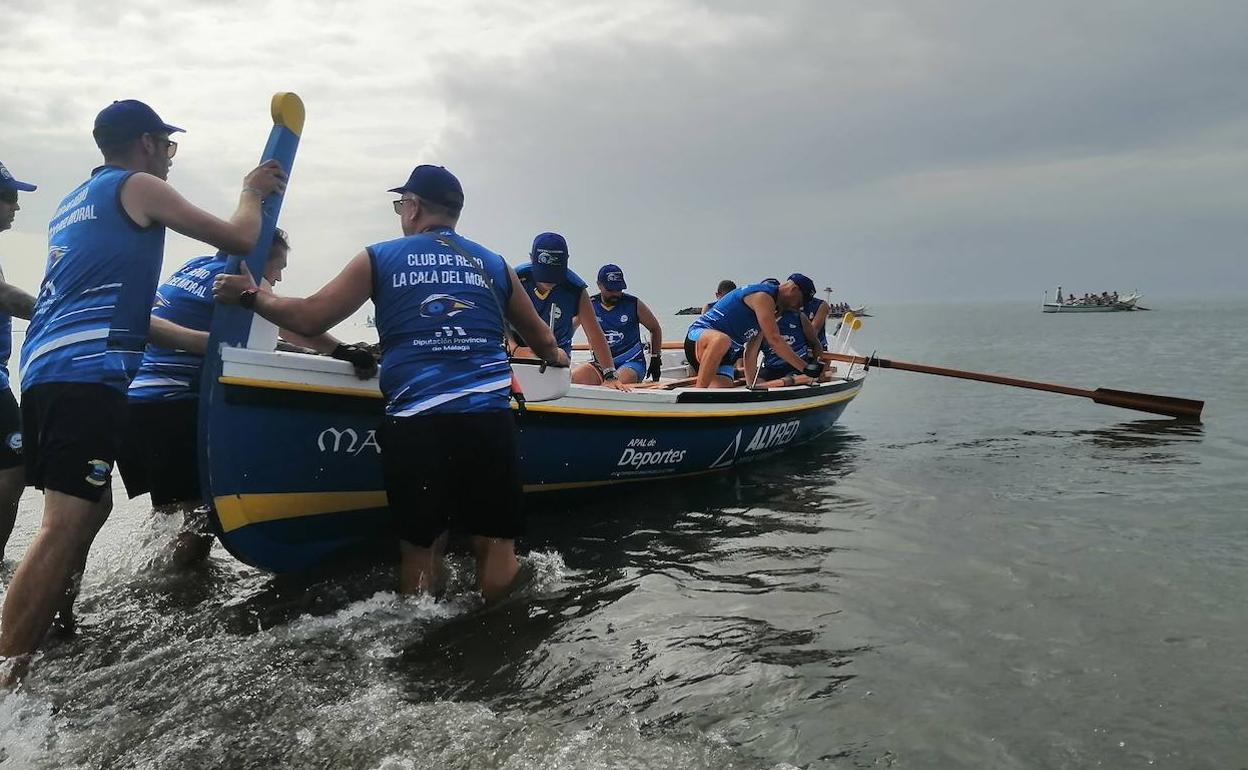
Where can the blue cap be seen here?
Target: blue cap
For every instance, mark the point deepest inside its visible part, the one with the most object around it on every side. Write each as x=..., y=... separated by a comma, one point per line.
x=434, y=184
x=7, y=182
x=550, y=258
x=125, y=120
x=805, y=284
x=612, y=278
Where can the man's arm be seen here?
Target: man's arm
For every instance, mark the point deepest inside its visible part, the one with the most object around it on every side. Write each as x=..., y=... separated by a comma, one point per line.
x=749, y=359
x=342, y=296
x=820, y=321
x=597, y=340
x=14, y=301
x=147, y=199
x=812, y=339
x=765, y=310
x=166, y=334
x=654, y=370
x=536, y=333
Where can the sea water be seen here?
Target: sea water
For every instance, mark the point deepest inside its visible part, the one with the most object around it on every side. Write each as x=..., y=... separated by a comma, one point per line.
x=960, y=575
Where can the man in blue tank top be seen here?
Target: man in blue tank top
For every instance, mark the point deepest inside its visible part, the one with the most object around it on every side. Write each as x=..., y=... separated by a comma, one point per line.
x=160, y=454
x=559, y=297
x=817, y=311
x=621, y=317
x=448, y=439
x=13, y=302
x=86, y=338
x=736, y=326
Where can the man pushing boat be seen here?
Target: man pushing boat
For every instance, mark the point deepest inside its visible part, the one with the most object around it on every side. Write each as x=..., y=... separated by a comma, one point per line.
x=448, y=438
x=86, y=338
x=737, y=325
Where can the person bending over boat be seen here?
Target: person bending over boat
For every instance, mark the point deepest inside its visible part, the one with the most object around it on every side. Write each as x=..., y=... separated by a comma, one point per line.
x=86, y=339
x=621, y=317
x=736, y=326
x=797, y=332
x=817, y=311
x=160, y=454
x=559, y=297
x=448, y=438
x=13, y=302
x=723, y=288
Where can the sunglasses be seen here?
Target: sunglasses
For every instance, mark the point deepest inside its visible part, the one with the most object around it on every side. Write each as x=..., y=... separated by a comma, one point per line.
x=398, y=204
x=171, y=147
x=8, y=196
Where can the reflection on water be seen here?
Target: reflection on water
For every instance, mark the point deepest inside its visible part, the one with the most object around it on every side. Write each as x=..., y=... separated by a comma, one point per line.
x=1163, y=437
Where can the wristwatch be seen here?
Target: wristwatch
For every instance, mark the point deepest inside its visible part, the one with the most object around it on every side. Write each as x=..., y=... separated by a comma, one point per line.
x=248, y=299
x=608, y=375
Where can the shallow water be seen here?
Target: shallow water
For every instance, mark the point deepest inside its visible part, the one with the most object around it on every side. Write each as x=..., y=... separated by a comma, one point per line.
x=961, y=575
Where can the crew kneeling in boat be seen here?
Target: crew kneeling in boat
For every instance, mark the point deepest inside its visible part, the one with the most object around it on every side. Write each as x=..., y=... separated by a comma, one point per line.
x=559, y=298
x=160, y=453
x=448, y=438
x=621, y=317
x=796, y=330
x=731, y=329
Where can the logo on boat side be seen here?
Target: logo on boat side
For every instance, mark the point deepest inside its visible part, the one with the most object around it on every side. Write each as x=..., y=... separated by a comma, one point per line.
x=765, y=437
x=347, y=441
x=642, y=455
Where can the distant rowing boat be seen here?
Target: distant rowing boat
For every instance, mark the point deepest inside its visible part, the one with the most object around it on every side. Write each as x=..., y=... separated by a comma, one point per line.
x=1125, y=303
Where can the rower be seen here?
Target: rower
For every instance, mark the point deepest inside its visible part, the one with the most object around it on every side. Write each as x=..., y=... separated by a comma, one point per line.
x=91, y=322
x=817, y=311
x=621, y=317
x=723, y=288
x=448, y=439
x=559, y=297
x=731, y=328
x=13, y=302
x=160, y=454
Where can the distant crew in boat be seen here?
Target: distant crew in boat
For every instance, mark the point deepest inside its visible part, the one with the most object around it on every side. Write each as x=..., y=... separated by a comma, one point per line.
x=621, y=317
x=86, y=337
x=448, y=439
x=559, y=297
x=160, y=453
x=723, y=288
x=737, y=325
x=13, y=302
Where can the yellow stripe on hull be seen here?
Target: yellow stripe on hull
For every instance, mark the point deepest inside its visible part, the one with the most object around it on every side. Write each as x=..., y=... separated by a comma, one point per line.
x=235, y=511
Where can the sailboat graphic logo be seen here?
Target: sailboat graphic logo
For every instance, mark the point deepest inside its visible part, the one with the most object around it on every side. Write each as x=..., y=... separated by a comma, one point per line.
x=729, y=455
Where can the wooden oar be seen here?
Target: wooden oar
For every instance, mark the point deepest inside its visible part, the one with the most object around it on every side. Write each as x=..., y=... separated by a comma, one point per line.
x=1170, y=406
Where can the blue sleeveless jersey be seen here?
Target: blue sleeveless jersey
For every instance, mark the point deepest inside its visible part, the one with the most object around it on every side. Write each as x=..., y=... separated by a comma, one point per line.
x=186, y=300
x=440, y=325
x=810, y=309
x=790, y=324
x=91, y=317
x=557, y=308
x=621, y=328
x=6, y=344
x=732, y=316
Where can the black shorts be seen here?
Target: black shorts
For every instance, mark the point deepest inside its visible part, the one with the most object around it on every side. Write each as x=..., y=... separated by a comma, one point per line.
x=727, y=366
x=161, y=454
x=71, y=434
x=776, y=372
x=458, y=470
x=10, y=431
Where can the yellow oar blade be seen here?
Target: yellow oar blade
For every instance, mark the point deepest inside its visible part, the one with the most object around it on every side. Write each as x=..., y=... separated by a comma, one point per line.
x=287, y=109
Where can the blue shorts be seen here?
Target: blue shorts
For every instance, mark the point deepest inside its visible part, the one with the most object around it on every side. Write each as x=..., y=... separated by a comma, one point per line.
x=636, y=366
x=727, y=366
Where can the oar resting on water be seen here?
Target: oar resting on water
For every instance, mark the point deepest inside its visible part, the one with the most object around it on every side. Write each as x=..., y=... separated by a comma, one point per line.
x=1170, y=406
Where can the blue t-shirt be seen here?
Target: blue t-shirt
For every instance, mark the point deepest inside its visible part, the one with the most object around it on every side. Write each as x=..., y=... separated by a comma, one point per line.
x=732, y=316
x=440, y=324
x=6, y=344
x=186, y=300
x=790, y=325
x=559, y=306
x=92, y=314
x=621, y=328
x=810, y=309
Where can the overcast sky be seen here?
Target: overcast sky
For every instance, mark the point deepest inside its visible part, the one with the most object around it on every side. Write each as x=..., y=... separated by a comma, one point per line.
x=894, y=150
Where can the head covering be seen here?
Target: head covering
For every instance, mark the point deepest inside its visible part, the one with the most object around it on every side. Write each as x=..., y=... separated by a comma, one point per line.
x=805, y=284
x=434, y=184
x=612, y=278
x=125, y=120
x=7, y=182
x=549, y=257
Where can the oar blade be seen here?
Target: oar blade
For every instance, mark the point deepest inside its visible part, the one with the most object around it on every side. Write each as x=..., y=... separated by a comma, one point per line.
x=1171, y=406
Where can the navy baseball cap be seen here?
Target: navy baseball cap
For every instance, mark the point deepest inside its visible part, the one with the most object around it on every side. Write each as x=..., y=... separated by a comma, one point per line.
x=7, y=182
x=612, y=278
x=434, y=184
x=125, y=120
x=550, y=258
x=805, y=284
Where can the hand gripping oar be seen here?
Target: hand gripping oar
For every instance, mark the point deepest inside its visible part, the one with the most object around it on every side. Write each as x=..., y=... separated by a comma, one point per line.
x=1170, y=406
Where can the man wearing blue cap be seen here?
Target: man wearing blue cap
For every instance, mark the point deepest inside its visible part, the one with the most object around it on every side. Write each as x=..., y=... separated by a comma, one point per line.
x=796, y=329
x=621, y=317
x=449, y=455
x=559, y=297
x=737, y=325
x=86, y=338
x=13, y=302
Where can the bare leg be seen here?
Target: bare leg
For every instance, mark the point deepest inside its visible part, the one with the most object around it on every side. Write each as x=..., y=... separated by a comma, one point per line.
x=12, y=481
x=710, y=349
x=194, y=540
x=45, y=581
x=421, y=569
x=584, y=374
x=496, y=565
x=627, y=376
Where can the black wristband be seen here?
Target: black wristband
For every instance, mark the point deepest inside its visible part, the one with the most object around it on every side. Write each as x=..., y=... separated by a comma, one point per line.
x=248, y=299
